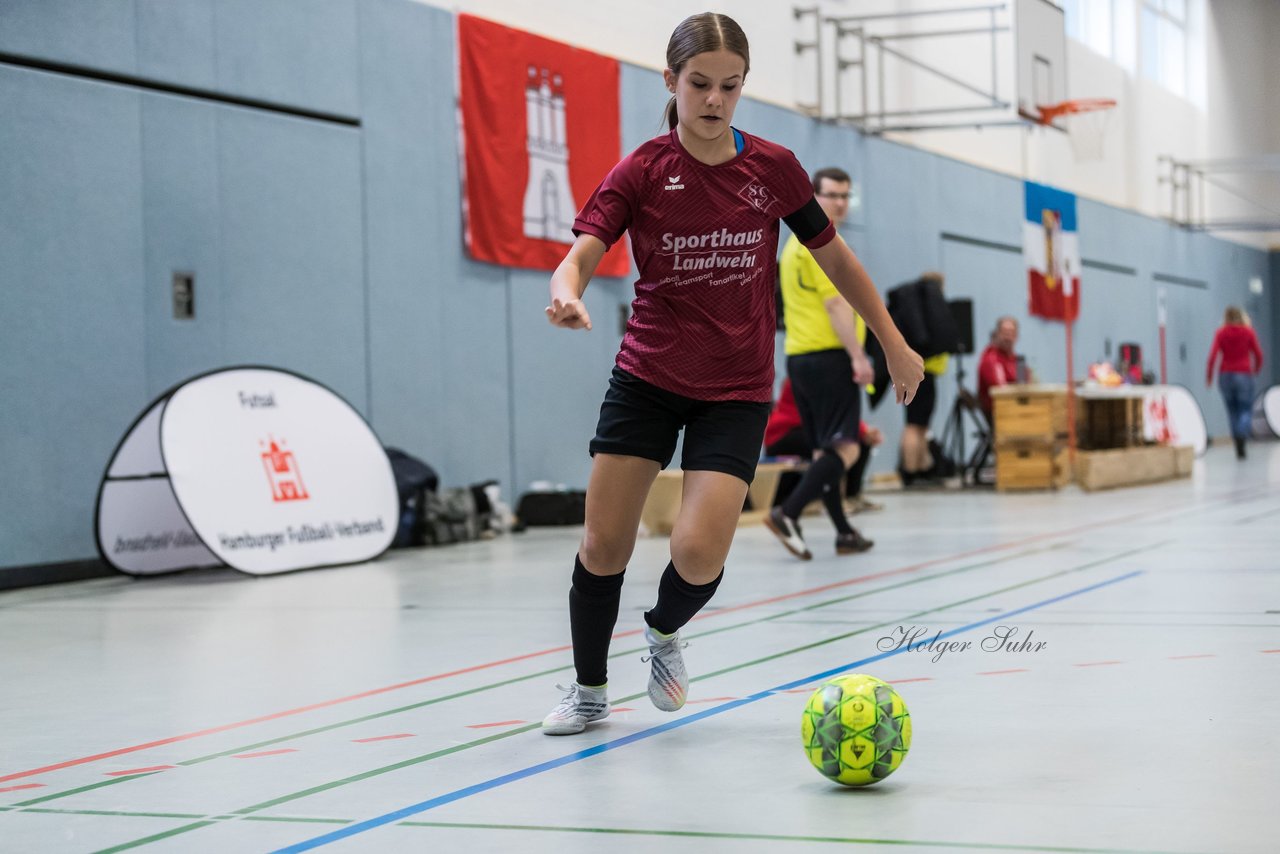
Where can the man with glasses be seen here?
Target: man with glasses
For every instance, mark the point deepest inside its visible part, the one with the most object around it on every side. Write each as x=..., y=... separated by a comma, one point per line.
x=827, y=367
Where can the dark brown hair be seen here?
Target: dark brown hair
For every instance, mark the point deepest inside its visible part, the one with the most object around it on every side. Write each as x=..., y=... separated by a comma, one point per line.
x=831, y=173
x=703, y=33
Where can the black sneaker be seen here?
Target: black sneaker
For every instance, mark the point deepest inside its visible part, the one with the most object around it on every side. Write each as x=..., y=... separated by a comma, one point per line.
x=787, y=530
x=852, y=543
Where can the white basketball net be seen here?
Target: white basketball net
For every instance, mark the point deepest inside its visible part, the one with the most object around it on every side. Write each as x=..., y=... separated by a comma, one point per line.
x=1088, y=133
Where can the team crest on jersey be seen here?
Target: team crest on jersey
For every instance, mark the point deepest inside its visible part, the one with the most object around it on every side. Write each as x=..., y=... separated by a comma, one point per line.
x=758, y=194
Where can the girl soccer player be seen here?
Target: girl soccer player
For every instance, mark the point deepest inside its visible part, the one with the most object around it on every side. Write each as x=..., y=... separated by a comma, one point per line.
x=702, y=205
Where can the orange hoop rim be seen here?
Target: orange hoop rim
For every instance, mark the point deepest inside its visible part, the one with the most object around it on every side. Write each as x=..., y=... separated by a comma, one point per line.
x=1049, y=112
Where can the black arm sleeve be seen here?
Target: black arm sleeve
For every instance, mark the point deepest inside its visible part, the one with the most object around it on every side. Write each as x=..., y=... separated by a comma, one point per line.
x=808, y=222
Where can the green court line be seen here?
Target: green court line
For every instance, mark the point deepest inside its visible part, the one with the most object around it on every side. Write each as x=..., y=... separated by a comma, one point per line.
x=774, y=837
x=508, y=734
x=155, y=838
x=126, y=813
x=114, y=781
x=621, y=831
x=45, y=798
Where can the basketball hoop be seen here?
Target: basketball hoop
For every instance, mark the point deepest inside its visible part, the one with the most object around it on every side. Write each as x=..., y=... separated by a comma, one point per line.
x=1085, y=120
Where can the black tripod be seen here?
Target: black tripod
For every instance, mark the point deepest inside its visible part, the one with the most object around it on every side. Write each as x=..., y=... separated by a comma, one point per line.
x=954, y=432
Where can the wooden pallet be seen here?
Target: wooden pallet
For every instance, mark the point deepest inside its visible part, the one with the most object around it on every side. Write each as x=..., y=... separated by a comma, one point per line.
x=662, y=507
x=1031, y=464
x=1129, y=466
x=1030, y=412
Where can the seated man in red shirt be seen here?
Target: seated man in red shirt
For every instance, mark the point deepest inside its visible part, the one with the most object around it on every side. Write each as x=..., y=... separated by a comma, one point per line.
x=999, y=364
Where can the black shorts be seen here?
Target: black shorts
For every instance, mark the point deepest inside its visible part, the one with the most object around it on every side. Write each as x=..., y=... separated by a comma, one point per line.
x=830, y=404
x=920, y=409
x=638, y=419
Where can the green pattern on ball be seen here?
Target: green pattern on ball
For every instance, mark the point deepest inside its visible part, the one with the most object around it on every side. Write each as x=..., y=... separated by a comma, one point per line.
x=856, y=729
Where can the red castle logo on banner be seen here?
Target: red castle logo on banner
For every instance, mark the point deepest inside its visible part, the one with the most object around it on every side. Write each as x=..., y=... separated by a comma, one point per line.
x=283, y=474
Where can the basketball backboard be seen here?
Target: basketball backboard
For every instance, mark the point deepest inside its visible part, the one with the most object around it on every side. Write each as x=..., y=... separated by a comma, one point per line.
x=1040, y=43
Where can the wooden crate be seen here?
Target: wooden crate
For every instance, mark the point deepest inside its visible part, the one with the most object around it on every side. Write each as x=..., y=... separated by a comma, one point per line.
x=1184, y=457
x=1109, y=422
x=1030, y=412
x=662, y=506
x=1125, y=466
x=1031, y=465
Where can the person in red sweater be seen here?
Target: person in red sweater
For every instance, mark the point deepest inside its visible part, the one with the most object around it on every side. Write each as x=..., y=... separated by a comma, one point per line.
x=1241, y=354
x=999, y=364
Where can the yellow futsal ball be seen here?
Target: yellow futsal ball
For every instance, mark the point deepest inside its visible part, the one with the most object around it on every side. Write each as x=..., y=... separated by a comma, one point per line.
x=856, y=729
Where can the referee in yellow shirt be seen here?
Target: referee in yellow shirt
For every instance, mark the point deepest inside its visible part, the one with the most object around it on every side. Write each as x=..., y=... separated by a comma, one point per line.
x=828, y=368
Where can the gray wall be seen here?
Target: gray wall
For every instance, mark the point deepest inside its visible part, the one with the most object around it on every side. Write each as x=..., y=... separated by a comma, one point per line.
x=335, y=250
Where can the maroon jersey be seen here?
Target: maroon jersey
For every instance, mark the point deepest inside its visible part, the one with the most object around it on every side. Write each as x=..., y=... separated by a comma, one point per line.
x=705, y=240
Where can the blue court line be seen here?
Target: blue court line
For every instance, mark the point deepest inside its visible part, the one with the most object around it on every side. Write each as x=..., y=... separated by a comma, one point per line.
x=459, y=794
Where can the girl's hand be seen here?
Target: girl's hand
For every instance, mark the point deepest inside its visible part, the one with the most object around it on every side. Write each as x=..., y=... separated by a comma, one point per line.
x=906, y=371
x=568, y=315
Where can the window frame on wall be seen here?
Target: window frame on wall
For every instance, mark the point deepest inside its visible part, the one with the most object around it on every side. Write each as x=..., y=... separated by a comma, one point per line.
x=1164, y=40
x=1093, y=24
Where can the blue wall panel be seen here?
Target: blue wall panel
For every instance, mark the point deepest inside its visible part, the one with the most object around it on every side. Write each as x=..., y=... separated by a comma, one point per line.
x=180, y=215
x=413, y=234
x=98, y=34
x=175, y=41
x=299, y=52
x=292, y=257
x=72, y=342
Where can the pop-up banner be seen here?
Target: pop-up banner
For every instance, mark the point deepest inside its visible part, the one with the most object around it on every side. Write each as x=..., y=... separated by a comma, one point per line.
x=1266, y=414
x=260, y=469
x=1171, y=416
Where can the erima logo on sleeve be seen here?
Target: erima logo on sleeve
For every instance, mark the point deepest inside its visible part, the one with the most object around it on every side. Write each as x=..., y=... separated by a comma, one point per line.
x=673, y=183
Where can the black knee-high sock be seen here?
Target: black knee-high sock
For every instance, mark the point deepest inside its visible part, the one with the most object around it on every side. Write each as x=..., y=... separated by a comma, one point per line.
x=827, y=469
x=857, y=471
x=678, y=601
x=833, y=500
x=593, y=610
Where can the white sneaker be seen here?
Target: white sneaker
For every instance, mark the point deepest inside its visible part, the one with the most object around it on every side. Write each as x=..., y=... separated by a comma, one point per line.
x=668, y=680
x=579, y=707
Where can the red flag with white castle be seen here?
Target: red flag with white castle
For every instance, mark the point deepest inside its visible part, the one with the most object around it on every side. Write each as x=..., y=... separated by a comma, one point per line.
x=541, y=129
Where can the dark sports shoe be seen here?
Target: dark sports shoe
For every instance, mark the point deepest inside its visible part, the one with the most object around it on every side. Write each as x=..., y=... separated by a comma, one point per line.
x=787, y=531
x=852, y=544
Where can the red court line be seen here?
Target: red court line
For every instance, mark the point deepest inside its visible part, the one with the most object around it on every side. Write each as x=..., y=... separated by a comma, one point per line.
x=261, y=753
x=495, y=723
x=711, y=700
x=1271, y=650
x=1184, y=657
x=383, y=737
x=1096, y=663
x=140, y=770
x=1002, y=672
x=914, y=679
x=23, y=786
x=623, y=709
x=70, y=763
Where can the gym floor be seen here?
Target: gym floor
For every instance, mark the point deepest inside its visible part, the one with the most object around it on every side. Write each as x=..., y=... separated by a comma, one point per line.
x=394, y=706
